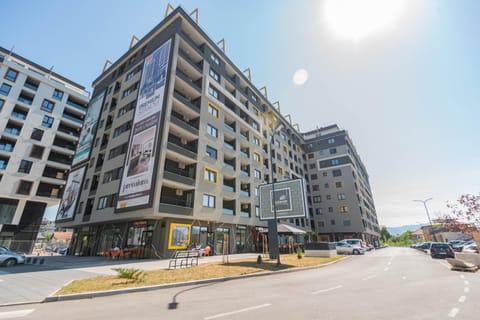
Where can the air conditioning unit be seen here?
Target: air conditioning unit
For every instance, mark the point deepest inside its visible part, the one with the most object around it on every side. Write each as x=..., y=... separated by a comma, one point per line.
x=181, y=165
x=179, y=192
x=183, y=141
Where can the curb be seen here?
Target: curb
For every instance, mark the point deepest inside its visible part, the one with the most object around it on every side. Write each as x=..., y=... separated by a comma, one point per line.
x=91, y=295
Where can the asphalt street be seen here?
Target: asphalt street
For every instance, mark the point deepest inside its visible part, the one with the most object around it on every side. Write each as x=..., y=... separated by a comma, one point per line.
x=392, y=283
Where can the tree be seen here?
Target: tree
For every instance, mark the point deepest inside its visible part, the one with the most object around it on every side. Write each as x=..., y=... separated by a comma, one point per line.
x=465, y=215
x=385, y=235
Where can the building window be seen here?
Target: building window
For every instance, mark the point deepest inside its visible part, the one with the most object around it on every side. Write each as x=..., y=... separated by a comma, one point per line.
x=121, y=149
x=316, y=187
x=321, y=224
x=326, y=186
x=211, y=152
x=130, y=75
x=338, y=184
x=341, y=196
x=254, y=125
x=313, y=166
x=314, y=176
x=37, y=134
x=337, y=172
x=318, y=211
x=256, y=141
x=332, y=222
x=257, y=157
x=214, y=75
x=47, y=105
x=112, y=175
x=317, y=199
x=210, y=175
x=257, y=174
x=325, y=174
x=5, y=89
x=214, y=59
x=37, y=152
x=347, y=223
x=335, y=162
x=311, y=155
x=212, y=131
x=2, y=103
x=213, y=110
x=329, y=197
x=343, y=209
x=330, y=209
x=333, y=150
x=213, y=92
x=25, y=166
x=24, y=187
x=107, y=201
x=208, y=201
x=11, y=75
x=257, y=211
x=57, y=94
x=47, y=122
x=331, y=141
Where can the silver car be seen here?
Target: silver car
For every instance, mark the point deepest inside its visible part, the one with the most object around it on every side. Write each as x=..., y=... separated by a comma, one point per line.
x=9, y=258
x=346, y=248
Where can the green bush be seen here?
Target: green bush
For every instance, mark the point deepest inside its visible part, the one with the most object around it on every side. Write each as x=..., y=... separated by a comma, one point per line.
x=299, y=253
x=259, y=259
x=130, y=273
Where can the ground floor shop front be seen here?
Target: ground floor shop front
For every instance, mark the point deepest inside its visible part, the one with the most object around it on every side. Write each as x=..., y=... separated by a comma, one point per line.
x=160, y=238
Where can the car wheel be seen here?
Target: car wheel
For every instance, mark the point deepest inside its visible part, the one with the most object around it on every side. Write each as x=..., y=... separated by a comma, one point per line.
x=356, y=251
x=10, y=262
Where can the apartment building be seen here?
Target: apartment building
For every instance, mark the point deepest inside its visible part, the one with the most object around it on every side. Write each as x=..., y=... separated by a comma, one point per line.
x=177, y=141
x=339, y=187
x=41, y=115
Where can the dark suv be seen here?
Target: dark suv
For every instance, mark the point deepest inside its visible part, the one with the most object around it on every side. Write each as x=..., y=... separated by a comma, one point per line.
x=441, y=250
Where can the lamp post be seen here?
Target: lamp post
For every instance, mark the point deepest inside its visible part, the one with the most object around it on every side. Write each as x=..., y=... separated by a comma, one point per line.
x=426, y=210
x=273, y=235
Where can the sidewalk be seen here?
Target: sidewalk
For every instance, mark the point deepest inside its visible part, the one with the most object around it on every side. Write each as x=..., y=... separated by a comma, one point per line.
x=33, y=283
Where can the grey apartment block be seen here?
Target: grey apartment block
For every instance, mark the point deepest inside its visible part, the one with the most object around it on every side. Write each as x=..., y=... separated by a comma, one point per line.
x=181, y=144
x=40, y=120
x=339, y=189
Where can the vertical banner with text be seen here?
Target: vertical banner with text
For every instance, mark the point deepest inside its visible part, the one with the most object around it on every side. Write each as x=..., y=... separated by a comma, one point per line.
x=136, y=185
x=66, y=209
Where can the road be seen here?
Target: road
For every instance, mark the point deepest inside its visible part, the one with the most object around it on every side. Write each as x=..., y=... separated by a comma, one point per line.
x=392, y=283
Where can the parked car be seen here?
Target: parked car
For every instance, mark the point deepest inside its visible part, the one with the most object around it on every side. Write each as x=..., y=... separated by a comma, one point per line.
x=358, y=243
x=345, y=248
x=9, y=258
x=425, y=246
x=441, y=250
x=470, y=248
x=458, y=247
x=63, y=251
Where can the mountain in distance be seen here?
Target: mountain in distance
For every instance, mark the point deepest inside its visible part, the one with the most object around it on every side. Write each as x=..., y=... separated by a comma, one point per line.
x=396, y=231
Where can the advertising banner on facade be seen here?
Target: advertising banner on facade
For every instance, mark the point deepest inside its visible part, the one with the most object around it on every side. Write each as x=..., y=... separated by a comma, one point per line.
x=136, y=184
x=89, y=125
x=179, y=236
x=66, y=209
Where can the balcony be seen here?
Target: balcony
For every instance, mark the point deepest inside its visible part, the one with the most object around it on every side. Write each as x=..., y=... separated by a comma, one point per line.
x=188, y=80
x=72, y=118
x=30, y=85
x=186, y=101
x=229, y=166
x=25, y=99
x=188, y=150
x=230, y=127
x=245, y=193
x=228, y=211
x=197, y=65
x=76, y=105
x=229, y=145
x=190, y=126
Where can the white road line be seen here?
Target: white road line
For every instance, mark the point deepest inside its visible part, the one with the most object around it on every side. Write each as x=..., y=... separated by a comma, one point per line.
x=370, y=277
x=389, y=263
x=462, y=276
x=237, y=311
x=444, y=264
x=466, y=289
x=462, y=299
x=326, y=290
x=466, y=282
x=15, y=314
x=404, y=278
x=386, y=269
x=453, y=312
x=1, y=280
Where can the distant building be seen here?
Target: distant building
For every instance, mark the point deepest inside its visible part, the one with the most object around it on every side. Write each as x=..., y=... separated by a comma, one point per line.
x=340, y=193
x=40, y=121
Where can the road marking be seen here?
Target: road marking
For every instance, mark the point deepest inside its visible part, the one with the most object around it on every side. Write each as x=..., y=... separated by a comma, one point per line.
x=237, y=311
x=453, y=312
x=404, y=278
x=462, y=299
x=1, y=280
x=462, y=276
x=370, y=277
x=466, y=289
x=466, y=282
x=444, y=264
x=326, y=290
x=389, y=263
x=15, y=314
x=386, y=269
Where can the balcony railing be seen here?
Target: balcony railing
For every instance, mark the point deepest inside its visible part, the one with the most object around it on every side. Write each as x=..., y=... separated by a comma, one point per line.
x=31, y=86
x=20, y=116
x=69, y=117
x=25, y=100
x=228, y=211
x=245, y=173
x=176, y=201
x=229, y=166
x=245, y=214
x=76, y=105
x=6, y=147
x=245, y=193
x=228, y=146
x=12, y=131
x=188, y=80
x=186, y=101
x=228, y=188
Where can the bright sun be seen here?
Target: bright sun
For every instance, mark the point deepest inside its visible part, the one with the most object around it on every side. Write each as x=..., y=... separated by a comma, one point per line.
x=358, y=19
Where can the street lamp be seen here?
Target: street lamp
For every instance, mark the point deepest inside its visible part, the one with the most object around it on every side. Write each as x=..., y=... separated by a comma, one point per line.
x=428, y=215
x=273, y=227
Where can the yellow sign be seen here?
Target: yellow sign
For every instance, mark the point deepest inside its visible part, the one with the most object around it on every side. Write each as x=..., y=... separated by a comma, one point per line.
x=179, y=236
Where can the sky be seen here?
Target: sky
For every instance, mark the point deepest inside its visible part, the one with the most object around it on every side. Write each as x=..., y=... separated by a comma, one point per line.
x=402, y=79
